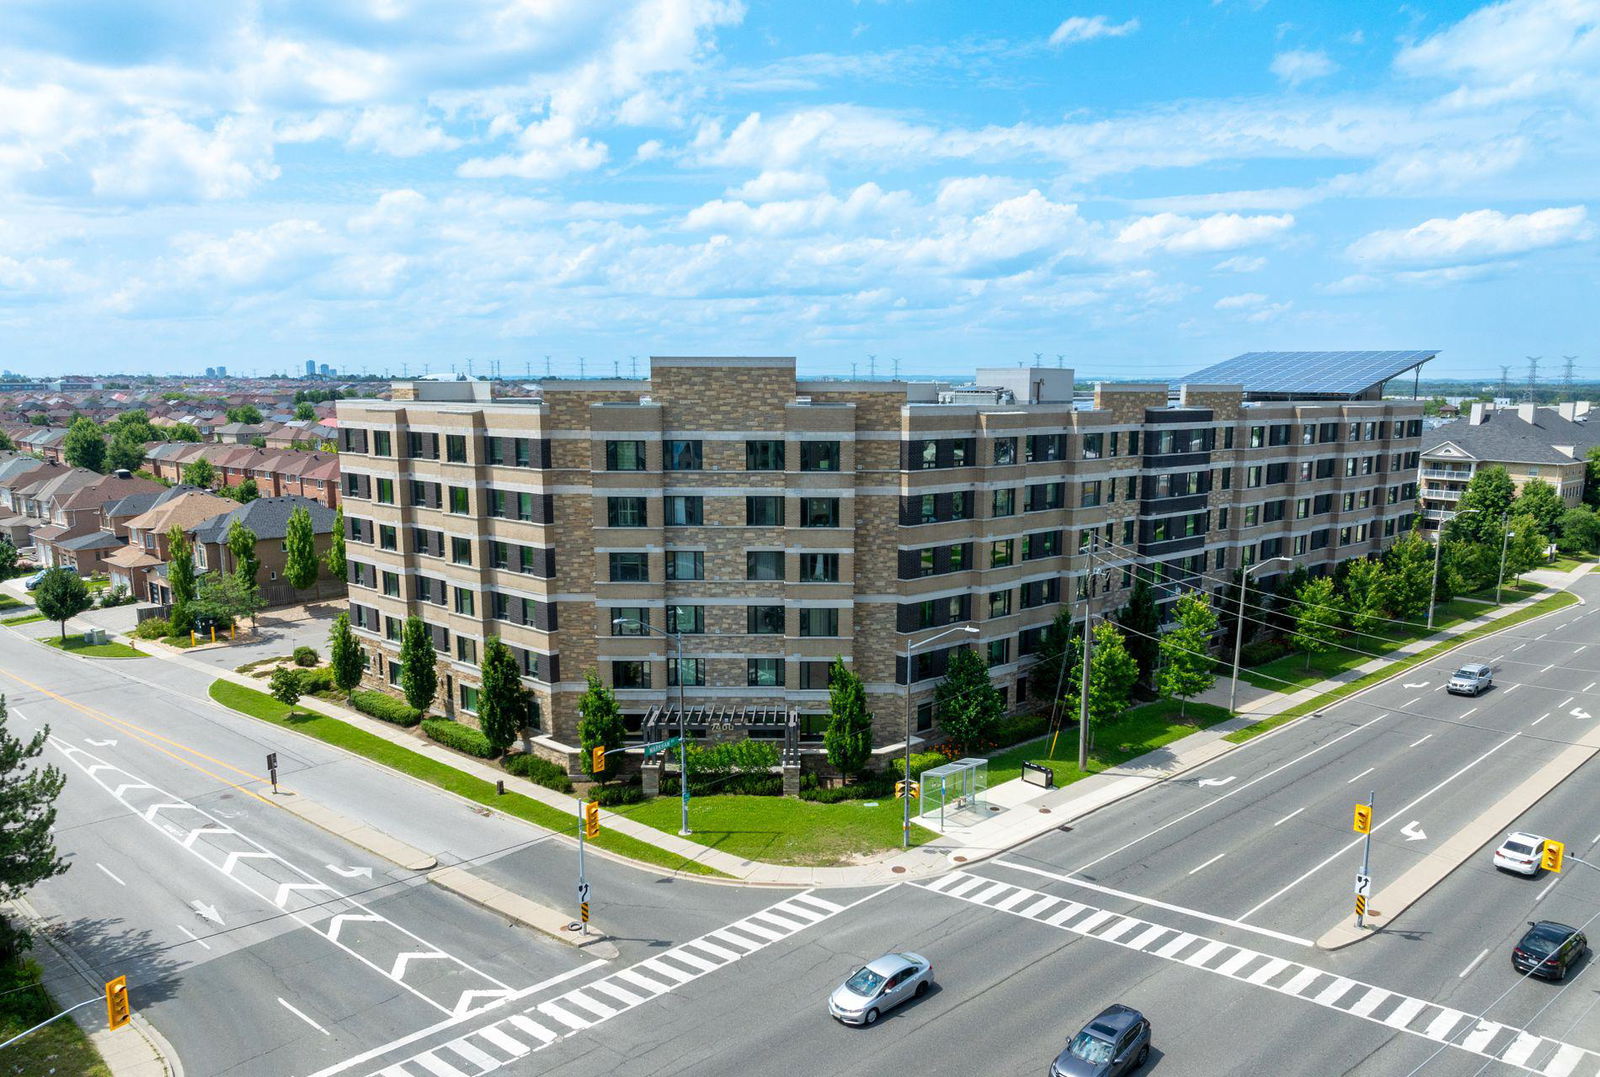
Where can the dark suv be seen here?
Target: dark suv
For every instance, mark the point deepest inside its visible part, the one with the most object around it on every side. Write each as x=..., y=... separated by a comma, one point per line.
x=1114, y=1043
x=1549, y=950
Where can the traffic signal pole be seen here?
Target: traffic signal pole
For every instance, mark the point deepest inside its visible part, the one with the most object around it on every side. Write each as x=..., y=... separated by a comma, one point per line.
x=1366, y=867
x=583, y=883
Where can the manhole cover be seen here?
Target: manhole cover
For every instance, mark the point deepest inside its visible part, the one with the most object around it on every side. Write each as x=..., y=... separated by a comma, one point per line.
x=959, y=859
x=898, y=869
x=1044, y=811
x=993, y=808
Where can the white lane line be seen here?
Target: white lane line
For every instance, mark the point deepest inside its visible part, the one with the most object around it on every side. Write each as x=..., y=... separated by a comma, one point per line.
x=110, y=874
x=1519, y=646
x=1548, y=668
x=1586, y=687
x=1236, y=789
x=1401, y=814
x=1153, y=903
x=1291, y=815
x=1564, y=702
x=1539, y=719
x=1414, y=743
x=1540, y=636
x=1540, y=895
x=1411, y=702
x=1462, y=975
x=1468, y=714
x=285, y=1004
x=1208, y=863
x=193, y=936
x=1509, y=688
x=1363, y=774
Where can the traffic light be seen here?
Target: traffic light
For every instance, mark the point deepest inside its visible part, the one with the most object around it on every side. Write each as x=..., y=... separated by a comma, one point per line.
x=1554, y=851
x=591, y=819
x=1363, y=819
x=905, y=789
x=117, y=1012
x=599, y=759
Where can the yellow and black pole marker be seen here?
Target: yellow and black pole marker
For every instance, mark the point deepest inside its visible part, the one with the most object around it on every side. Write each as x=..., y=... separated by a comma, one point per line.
x=118, y=1012
x=1362, y=824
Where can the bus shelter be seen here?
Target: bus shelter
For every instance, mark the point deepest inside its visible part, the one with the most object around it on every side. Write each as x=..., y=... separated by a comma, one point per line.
x=953, y=795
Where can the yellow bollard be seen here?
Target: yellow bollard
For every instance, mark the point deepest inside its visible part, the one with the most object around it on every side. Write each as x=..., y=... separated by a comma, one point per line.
x=233, y=631
x=213, y=633
x=192, y=640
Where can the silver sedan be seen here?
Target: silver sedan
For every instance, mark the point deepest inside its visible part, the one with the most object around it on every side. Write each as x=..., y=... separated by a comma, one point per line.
x=880, y=986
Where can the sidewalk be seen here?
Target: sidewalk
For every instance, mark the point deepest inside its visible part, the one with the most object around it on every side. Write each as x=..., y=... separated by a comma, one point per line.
x=1025, y=811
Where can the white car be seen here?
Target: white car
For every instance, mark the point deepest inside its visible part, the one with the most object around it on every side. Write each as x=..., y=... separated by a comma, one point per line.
x=879, y=987
x=1520, y=853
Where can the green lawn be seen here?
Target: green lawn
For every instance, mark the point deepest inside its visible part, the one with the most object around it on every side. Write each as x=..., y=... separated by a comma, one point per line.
x=785, y=830
x=359, y=741
x=60, y=1048
x=75, y=645
x=1567, y=562
x=9, y=603
x=1554, y=602
x=97, y=585
x=1141, y=729
x=1510, y=591
x=24, y=619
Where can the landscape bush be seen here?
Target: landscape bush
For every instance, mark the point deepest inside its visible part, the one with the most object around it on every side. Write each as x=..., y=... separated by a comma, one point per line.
x=154, y=628
x=305, y=656
x=617, y=796
x=453, y=734
x=920, y=761
x=1262, y=652
x=313, y=681
x=116, y=596
x=539, y=771
x=1018, y=728
x=384, y=707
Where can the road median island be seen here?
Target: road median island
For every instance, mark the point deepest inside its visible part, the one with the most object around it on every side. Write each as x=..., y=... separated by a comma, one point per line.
x=341, y=734
x=1544, y=606
x=542, y=918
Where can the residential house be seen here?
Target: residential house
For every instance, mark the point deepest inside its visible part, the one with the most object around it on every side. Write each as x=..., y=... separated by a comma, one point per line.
x=141, y=565
x=73, y=537
x=15, y=470
x=268, y=517
x=46, y=441
x=1530, y=442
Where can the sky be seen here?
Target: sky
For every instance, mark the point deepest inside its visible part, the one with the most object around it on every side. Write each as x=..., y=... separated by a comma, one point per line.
x=921, y=186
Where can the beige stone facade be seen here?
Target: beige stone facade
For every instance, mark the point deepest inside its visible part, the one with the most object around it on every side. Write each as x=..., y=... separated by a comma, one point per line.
x=773, y=523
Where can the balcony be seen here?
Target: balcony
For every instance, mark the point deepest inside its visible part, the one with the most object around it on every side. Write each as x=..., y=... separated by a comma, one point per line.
x=1447, y=474
x=1439, y=493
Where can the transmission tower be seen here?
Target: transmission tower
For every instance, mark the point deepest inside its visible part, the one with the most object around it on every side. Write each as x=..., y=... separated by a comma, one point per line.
x=1566, y=376
x=872, y=366
x=1505, y=381
x=1533, y=377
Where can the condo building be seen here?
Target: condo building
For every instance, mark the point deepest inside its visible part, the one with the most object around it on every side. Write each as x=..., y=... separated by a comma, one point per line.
x=712, y=537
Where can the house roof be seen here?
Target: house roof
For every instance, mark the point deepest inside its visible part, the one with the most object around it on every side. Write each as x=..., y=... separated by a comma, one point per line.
x=1506, y=437
x=187, y=511
x=94, y=540
x=268, y=517
x=132, y=557
x=109, y=488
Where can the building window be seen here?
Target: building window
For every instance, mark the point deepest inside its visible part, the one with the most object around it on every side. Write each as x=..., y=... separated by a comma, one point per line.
x=763, y=565
x=683, y=511
x=455, y=448
x=625, y=456
x=465, y=603
x=625, y=512
x=388, y=537
x=763, y=455
x=1005, y=502
x=815, y=675
x=1000, y=603
x=385, y=491
x=460, y=550
x=999, y=651
x=764, y=620
x=459, y=502
x=924, y=716
x=467, y=651
x=679, y=455
x=1000, y=553
x=814, y=622
x=690, y=672
x=630, y=566
x=763, y=511
x=686, y=620
x=1005, y=451
x=819, y=512
x=1090, y=495
x=391, y=584
x=764, y=672
x=391, y=628
x=819, y=456
x=630, y=674
x=686, y=565
x=381, y=443
x=1093, y=446
x=630, y=620
x=1043, y=447
x=819, y=568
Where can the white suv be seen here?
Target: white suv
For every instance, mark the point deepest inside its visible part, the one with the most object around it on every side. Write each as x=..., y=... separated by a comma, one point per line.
x=1520, y=853
x=1470, y=679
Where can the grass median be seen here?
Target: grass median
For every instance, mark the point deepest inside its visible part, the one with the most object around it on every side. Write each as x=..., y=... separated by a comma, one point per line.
x=398, y=757
x=785, y=830
x=1141, y=729
x=75, y=645
x=1554, y=602
x=24, y=619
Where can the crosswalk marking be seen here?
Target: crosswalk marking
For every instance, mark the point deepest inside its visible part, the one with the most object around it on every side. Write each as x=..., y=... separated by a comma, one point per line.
x=1418, y=1017
x=519, y=1034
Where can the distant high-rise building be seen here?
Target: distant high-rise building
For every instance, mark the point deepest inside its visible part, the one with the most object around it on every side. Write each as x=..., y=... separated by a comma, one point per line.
x=211, y=371
x=327, y=371
x=222, y=372
x=311, y=368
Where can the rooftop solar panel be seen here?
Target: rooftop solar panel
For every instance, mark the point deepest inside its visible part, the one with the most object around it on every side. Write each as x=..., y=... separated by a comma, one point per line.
x=1310, y=372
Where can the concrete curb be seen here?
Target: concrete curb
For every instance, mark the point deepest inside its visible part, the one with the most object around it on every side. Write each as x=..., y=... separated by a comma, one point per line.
x=374, y=841
x=541, y=918
x=144, y=1052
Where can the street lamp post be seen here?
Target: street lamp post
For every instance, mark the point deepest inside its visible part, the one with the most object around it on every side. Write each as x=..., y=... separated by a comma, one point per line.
x=1438, y=548
x=905, y=832
x=1505, y=540
x=1238, y=631
x=683, y=734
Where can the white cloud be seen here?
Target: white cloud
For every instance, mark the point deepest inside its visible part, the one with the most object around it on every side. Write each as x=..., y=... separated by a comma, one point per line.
x=1514, y=49
x=162, y=157
x=778, y=183
x=399, y=132
x=1088, y=27
x=1240, y=302
x=1191, y=235
x=1302, y=65
x=800, y=215
x=1240, y=263
x=1481, y=234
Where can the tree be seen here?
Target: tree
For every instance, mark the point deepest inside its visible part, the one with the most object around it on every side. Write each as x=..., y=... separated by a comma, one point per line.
x=305, y=412
x=285, y=686
x=227, y=598
x=300, y=557
x=5, y=441
x=419, y=677
x=135, y=423
x=1284, y=610
x=1113, y=672
x=346, y=657
x=28, y=806
x=1591, y=477
x=242, y=544
x=599, y=725
x=1141, y=621
x=1320, y=617
x=126, y=451
x=1490, y=492
x=1364, y=595
x=1525, y=546
x=1577, y=532
x=502, y=701
x=8, y=558
x=335, y=556
x=84, y=446
x=39, y=418
x=848, y=737
x=183, y=432
x=61, y=595
x=200, y=472
x=1540, y=500
x=1467, y=566
x=1186, y=665
x=180, y=577
x=248, y=414
x=969, y=705
x=1058, y=647
x=1408, y=576
x=244, y=493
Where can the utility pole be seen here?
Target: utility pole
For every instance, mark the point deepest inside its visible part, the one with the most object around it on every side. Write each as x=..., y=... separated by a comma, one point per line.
x=1083, y=684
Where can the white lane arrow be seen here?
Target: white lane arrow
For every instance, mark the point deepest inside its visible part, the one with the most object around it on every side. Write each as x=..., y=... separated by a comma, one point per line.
x=1419, y=684
x=1217, y=781
x=207, y=912
x=350, y=873
x=1579, y=712
x=1413, y=831
x=100, y=743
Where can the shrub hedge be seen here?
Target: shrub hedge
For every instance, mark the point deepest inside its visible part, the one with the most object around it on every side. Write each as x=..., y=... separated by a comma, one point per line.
x=1262, y=652
x=616, y=796
x=455, y=735
x=153, y=628
x=315, y=680
x=920, y=761
x=538, y=770
x=305, y=656
x=387, y=708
